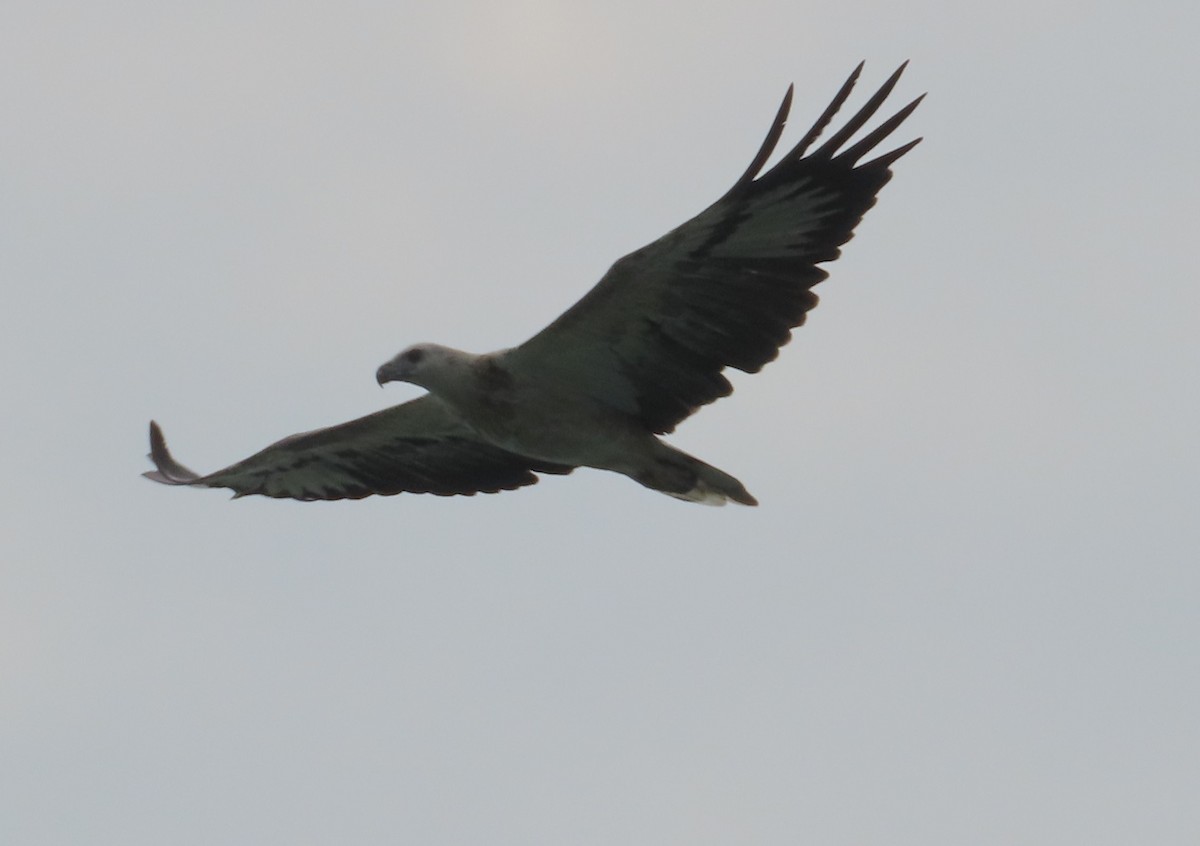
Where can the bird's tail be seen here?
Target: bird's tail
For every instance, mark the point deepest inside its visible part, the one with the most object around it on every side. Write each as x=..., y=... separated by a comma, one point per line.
x=685, y=477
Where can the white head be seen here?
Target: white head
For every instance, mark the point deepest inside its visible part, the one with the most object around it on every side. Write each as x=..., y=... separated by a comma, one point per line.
x=427, y=365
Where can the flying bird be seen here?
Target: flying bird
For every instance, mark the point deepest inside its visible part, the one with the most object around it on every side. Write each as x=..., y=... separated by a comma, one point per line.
x=643, y=350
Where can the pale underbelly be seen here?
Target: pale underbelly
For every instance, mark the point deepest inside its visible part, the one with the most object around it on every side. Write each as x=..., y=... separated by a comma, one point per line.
x=564, y=435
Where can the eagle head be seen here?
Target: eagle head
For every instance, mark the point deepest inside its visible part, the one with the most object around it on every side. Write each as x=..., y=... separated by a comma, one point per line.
x=421, y=364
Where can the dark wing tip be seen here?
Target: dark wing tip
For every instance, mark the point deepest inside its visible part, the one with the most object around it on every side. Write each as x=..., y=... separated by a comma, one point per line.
x=827, y=116
x=831, y=147
x=875, y=137
x=169, y=471
x=768, y=145
x=887, y=158
x=864, y=114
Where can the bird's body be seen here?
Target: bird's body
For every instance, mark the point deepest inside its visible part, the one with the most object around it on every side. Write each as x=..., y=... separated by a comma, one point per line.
x=639, y=353
x=552, y=421
x=542, y=420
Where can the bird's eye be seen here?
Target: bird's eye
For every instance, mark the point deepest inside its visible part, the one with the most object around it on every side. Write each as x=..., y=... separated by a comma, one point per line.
x=413, y=356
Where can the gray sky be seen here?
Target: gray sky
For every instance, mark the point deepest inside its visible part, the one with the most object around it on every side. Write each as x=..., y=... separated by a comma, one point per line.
x=966, y=611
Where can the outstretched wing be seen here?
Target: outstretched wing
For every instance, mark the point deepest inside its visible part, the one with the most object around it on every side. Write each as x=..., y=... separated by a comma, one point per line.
x=726, y=288
x=417, y=447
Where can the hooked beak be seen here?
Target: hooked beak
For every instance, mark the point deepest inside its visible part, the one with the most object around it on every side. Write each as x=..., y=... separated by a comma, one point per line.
x=386, y=373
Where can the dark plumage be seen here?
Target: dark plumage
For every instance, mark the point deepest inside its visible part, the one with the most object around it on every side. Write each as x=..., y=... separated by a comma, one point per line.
x=638, y=354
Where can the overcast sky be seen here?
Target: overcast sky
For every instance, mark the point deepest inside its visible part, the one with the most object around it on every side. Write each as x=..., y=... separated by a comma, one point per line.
x=966, y=612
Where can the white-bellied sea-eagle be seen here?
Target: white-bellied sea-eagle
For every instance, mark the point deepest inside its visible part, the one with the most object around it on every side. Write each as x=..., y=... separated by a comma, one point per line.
x=643, y=350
